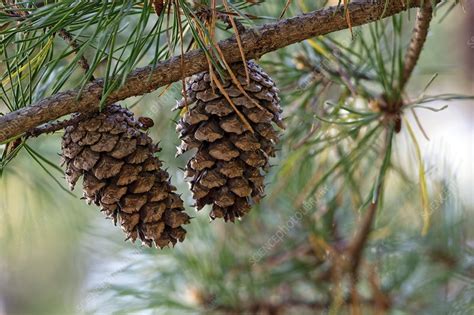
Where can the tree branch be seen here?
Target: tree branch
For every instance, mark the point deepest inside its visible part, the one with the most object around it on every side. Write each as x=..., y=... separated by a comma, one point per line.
x=56, y=125
x=420, y=32
x=264, y=307
x=358, y=244
x=75, y=47
x=257, y=42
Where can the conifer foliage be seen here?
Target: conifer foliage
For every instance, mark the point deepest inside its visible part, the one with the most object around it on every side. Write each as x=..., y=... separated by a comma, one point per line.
x=338, y=210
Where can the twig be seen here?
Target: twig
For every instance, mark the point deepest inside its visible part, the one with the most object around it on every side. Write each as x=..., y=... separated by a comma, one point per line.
x=61, y=33
x=382, y=300
x=56, y=125
x=83, y=63
x=263, y=307
x=354, y=251
x=420, y=32
x=228, y=19
x=280, y=258
x=257, y=42
x=356, y=247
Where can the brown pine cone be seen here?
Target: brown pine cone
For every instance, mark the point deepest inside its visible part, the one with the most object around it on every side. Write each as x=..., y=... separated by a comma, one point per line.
x=227, y=170
x=122, y=176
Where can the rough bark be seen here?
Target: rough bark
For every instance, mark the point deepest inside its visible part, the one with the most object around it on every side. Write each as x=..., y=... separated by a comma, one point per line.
x=257, y=42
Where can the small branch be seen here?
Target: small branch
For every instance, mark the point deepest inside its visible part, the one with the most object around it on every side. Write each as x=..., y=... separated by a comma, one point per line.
x=53, y=126
x=84, y=64
x=263, y=307
x=356, y=248
x=75, y=46
x=420, y=32
x=62, y=33
x=257, y=42
x=56, y=125
x=280, y=258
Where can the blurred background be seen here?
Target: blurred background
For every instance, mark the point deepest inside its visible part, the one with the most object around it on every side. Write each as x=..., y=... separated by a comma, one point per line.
x=59, y=256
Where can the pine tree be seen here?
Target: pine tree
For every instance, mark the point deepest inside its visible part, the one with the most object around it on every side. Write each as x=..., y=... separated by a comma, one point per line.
x=292, y=130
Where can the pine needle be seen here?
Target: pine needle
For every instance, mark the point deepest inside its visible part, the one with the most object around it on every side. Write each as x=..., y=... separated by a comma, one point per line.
x=183, y=80
x=166, y=89
x=32, y=64
x=229, y=99
x=418, y=123
x=236, y=81
x=348, y=16
x=422, y=179
x=239, y=42
x=288, y=2
x=320, y=49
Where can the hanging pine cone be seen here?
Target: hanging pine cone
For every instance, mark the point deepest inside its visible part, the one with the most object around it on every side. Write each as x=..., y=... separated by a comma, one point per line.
x=227, y=170
x=122, y=176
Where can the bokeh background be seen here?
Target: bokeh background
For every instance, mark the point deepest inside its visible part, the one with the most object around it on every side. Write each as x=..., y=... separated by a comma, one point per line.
x=59, y=256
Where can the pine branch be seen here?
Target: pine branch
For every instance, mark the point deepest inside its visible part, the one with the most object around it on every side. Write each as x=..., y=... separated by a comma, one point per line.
x=358, y=244
x=54, y=126
x=83, y=63
x=257, y=42
x=263, y=307
x=356, y=247
x=420, y=32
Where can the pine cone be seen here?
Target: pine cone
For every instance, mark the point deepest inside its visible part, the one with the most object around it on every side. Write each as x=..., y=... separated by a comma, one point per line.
x=228, y=167
x=122, y=176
